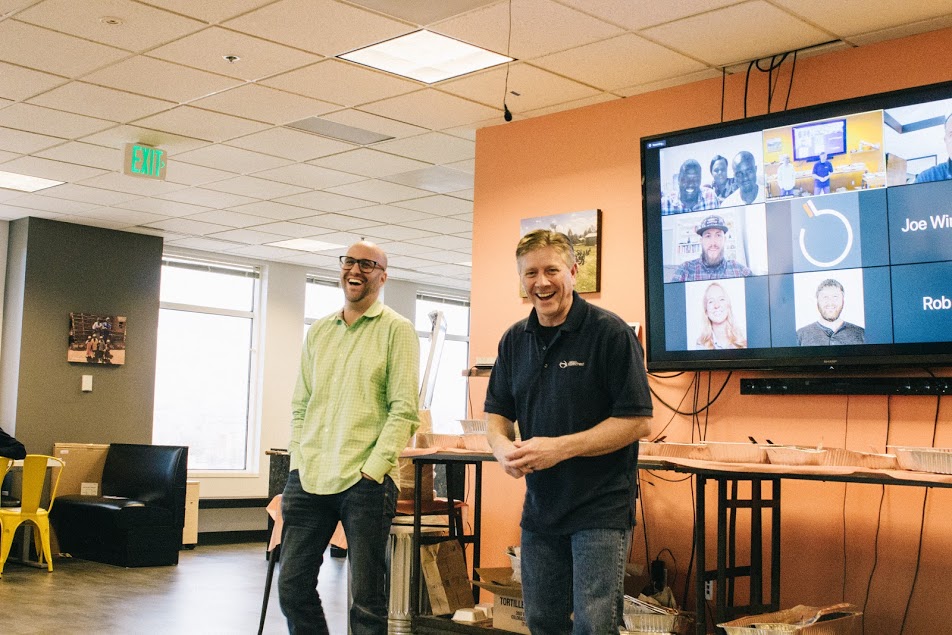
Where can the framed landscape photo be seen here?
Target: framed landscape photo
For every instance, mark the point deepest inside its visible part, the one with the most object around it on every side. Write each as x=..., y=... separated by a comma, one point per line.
x=584, y=231
x=97, y=339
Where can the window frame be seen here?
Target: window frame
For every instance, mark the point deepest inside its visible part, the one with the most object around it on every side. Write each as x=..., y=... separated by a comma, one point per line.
x=454, y=300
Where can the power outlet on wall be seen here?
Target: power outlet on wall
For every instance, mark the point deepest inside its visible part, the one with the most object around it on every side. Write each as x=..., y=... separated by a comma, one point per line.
x=709, y=590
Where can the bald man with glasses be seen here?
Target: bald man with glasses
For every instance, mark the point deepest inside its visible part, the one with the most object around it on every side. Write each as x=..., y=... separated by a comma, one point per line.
x=354, y=409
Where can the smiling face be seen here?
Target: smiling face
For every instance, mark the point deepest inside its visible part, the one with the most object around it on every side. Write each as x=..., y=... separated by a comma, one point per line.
x=548, y=280
x=745, y=172
x=717, y=306
x=362, y=289
x=719, y=171
x=712, y=246
x=829, y=302
x=689, y=181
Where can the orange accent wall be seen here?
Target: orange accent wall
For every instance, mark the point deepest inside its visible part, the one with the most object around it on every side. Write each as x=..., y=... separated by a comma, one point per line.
x=589, y=158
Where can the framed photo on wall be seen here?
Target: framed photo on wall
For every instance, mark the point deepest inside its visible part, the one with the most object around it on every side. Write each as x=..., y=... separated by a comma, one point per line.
x=97, y=339
x=584, y=231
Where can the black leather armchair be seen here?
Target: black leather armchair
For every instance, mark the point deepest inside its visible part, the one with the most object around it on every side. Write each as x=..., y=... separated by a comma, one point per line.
x=138, y=520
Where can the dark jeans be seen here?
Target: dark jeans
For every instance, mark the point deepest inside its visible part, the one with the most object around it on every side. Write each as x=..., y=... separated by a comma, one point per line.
x=366, y=510
x=584, y=571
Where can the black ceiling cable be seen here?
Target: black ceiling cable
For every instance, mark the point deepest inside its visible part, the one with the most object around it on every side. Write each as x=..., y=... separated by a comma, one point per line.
x=776, y=61
x=506, y=114
x=723, y=89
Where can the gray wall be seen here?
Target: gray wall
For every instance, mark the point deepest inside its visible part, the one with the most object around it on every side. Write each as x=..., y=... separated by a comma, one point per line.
x=56, y=268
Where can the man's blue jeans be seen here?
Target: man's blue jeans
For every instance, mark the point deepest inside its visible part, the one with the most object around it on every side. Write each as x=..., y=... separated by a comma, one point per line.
x=366, y=511
x=584, y=572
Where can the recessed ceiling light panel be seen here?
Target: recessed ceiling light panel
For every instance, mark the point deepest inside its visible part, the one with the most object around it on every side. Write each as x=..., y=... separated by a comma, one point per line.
x=426, y=57
x=23, y=183
x=305, y=244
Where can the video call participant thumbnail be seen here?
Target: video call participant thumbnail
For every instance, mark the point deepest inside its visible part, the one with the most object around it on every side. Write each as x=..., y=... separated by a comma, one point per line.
x=745, y=176
x=822, y=170
x=722, y=185
x=943, y=171
x=690, y=197
x=712, y=264
x=718, y=330
x=830, y=329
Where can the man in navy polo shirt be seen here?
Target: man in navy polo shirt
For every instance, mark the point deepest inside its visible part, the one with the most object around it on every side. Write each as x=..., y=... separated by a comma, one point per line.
x=572, y=374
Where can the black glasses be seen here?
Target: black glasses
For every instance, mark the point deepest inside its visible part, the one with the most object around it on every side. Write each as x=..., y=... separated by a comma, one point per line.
x=366, y=266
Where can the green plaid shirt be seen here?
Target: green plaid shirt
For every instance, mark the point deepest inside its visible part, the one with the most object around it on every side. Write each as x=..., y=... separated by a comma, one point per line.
x=355, y=403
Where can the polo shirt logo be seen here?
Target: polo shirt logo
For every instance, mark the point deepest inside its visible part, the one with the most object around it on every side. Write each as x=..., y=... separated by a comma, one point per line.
x=567, y=364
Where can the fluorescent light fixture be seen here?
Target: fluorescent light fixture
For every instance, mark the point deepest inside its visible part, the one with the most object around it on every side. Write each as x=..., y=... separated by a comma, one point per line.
x=306, y=244
x=426, y=57
x=336, y=130
x=23, y=183
x=468, y=263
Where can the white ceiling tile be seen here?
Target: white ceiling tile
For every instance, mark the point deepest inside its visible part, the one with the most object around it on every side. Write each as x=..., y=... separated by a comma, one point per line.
x=538, y=27
x=73, y=192
x=142, y=26
x=207, y=198
x=409, y=262
x=190, y=174
x=445, y=242
x=310, y=176
x=337, y=222
x=527, y=88
x=433, y=147
x=261, y=103
x=903, y=30
x=93, y=222
x=468, y=166
x=266, y=252
x=51, y=122
x=203, y=244
x=370, y=163
x=291, y=144
x=257, y=58
x=725, y=36
x=10, y=212
x=85, y=154
x=439, y=205
x=638, y=15
x=291, y=230
x=237, y=160
x=186, y=226
x=450, y=257
x=432, y=109
x=255, y=187
x=342, y=83
x=852, y=17
x=9, y=7
x=570, y=105
x=597, y=64
x=407, y=249
x=45, y=50
x=464, y=194
x=467, y=131
x=132, y=184
x=441, y=225
x=388, y=214
x=47, y=169
x=124, y=216
x=7, y=156
x=211, y=11
x=25, y=142
x=19, y=83
x=341, y=238
x=247, y=236
x=228, y=218
x=162, y=207
x=118, y=136
x=396, y=232
x=680, y=80
x=324, y=201
x=161, y=79
x=374, y=123
x=421, y=12
x=377, y=191
x=49, y=204
x=97, y=101
x=200, y=124
x=466, y=217
x=314, y=260
x=272, y=210
x=322, y=26
x=438, y=178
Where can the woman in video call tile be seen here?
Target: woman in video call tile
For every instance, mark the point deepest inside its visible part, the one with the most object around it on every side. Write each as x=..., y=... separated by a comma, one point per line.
x=830, y=329
x=719, y=330
x=722, y=185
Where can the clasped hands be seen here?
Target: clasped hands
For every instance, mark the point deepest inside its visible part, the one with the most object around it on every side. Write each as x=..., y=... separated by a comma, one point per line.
x=519, y=458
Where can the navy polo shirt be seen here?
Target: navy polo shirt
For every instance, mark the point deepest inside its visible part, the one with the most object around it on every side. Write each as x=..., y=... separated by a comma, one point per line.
x=591, y=370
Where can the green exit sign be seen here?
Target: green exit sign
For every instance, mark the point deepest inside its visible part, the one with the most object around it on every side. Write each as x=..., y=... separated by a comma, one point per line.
x=145, y=161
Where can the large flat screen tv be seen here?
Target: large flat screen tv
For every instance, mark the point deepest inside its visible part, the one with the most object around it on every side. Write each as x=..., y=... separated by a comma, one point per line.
x=759, y=255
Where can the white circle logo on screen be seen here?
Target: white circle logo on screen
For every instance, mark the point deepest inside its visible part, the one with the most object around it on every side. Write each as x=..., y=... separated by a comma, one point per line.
x=812, y=211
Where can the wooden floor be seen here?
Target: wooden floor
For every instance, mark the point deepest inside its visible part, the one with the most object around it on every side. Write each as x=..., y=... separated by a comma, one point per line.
x=215, y=589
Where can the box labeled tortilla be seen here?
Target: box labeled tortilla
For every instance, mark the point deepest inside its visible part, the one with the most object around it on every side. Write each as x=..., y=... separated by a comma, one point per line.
x=838, y=619
x=508, y=610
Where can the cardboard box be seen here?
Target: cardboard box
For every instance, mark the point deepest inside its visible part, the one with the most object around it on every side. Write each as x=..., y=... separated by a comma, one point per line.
x=508, y=610
x=444, y=570
x=82, y=473
x=838, y=619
